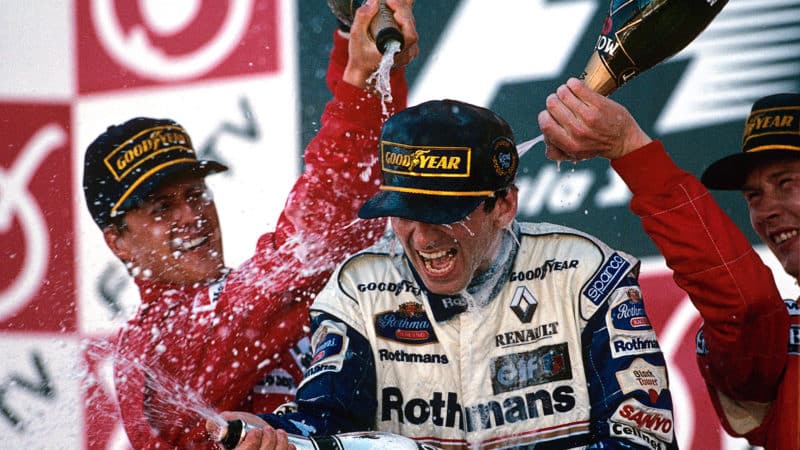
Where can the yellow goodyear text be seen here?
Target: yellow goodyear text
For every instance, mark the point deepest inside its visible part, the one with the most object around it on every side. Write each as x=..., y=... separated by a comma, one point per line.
x=145, y=146
x=425, y=161
x=772, y=121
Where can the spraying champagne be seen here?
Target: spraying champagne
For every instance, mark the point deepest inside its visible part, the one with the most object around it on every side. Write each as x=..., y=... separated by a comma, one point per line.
x=372, y=440
x=638, y=34
x=383, y=28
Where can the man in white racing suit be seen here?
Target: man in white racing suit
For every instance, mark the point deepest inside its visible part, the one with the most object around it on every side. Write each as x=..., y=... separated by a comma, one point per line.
x=466, y=329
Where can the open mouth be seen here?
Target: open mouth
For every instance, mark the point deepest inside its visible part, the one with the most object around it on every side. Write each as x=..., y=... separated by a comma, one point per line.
x=440, y=262
x=185, y=245
x=780, y=238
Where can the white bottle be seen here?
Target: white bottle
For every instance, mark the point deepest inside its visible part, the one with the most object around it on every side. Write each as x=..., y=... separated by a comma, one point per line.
x=367, y=440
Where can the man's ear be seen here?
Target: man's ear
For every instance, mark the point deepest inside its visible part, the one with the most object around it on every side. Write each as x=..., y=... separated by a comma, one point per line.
x=116, y=240
x=507, y=207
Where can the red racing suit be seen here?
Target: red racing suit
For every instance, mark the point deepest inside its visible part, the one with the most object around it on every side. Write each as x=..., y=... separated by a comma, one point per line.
x=193, y=350
x=742, y=346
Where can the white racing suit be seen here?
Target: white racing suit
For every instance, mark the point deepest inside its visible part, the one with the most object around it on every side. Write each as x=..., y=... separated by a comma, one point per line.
x=550, y=349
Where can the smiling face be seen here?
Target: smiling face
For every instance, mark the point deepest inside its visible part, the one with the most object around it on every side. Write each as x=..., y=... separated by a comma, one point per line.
x=173, y=236
x=772, y=191
x=448, y=256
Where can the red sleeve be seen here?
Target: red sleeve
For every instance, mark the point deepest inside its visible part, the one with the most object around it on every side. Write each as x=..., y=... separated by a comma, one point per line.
x=145, y=399
x=265, y=302
x=319, y=224
x=745, y=320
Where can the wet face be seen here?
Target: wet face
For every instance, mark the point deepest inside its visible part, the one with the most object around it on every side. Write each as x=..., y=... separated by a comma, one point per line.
x=173, y=236
x=772, y=191
x=448, y=256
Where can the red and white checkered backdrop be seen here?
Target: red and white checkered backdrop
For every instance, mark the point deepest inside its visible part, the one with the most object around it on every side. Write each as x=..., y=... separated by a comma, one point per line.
x=226, y=70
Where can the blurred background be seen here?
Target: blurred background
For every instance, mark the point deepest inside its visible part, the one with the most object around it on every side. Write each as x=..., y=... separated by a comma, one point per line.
x=246, y=79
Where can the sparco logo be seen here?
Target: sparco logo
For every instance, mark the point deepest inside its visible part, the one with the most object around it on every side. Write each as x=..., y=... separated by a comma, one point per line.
x=607, y=277
x=444, y=410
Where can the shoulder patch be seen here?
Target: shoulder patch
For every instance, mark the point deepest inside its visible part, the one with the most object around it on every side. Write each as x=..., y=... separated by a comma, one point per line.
x=606, y=278
x=329, y=344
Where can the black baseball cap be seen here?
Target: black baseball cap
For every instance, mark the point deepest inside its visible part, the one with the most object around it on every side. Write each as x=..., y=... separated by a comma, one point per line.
x=129, y=161
x=440, y=160
x=772, y=132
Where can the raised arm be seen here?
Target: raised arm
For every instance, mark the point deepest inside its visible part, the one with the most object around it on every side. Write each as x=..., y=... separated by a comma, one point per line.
x=745, y=319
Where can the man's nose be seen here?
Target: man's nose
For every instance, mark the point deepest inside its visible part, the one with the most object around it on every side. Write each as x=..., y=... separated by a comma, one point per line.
x=769, y=206
x=430, y=236
x=184, y=213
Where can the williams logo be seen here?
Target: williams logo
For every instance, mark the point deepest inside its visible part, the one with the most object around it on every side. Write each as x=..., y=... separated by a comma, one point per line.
x=409, y=324
x=425, y=161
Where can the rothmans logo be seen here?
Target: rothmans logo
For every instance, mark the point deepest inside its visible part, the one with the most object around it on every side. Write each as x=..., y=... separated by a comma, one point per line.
x=426, y=161
x=770, y=121
x=145, y=146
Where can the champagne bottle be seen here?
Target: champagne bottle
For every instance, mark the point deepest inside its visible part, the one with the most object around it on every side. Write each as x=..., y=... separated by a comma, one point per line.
x=638, y=34
x=368, y=440
x=383, y=28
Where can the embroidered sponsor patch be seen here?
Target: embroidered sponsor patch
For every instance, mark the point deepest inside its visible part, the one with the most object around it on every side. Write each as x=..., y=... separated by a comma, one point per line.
x=622, y=345
x=606, y=278
x=636, y=436
x=527, y=335
x=655, y=421
x=524, y=304
x=411, y=357
x=521, y=370
x=643, y=376
x=408, y=324
x=426, y=161
x=329, y=344
x=630, y=314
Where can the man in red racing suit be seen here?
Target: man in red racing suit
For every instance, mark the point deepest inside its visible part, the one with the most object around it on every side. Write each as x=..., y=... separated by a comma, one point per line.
x=754, y=382
x=232, y=343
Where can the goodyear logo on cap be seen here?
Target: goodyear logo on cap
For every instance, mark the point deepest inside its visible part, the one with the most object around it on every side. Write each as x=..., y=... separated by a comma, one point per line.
x=425, y=161
x=145, y=146
x=772, y=121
